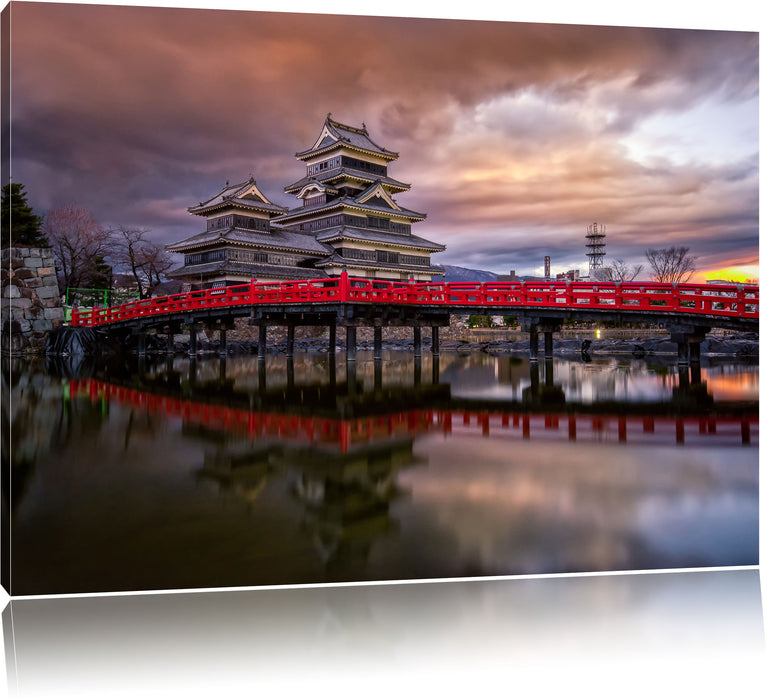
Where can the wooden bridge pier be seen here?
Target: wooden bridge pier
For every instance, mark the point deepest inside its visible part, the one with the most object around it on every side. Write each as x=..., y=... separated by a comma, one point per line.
x=142, y=342
x=350, y=343
x=332, y=338
x=192, y=338
x=417, y=341
x=290, y=340
x=378, y=343
x=535, y=326
x=688, y=339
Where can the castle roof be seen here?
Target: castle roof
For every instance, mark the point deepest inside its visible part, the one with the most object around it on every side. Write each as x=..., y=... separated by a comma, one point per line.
x=278, y=238
x=347, y=233
x=336, y=134
x=332, y=176
x=244, y=195
x=372, y=200
x=336, y=259
x=251, y=269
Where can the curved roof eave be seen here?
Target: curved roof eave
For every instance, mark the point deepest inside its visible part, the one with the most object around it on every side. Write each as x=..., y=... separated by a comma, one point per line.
x=239, y=203
x=312, y=152
x=349, y=204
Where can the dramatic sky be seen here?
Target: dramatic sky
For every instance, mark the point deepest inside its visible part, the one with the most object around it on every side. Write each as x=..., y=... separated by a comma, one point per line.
x=515, y=136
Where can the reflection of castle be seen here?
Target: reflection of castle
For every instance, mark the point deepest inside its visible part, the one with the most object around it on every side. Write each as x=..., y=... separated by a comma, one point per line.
x=346, y=495
x=240, y=469
x=341, y=464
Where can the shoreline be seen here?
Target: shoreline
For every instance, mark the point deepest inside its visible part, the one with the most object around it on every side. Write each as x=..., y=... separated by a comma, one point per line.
x=742, y=345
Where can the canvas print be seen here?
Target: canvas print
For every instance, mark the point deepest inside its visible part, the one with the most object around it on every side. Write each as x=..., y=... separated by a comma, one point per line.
x=310, y=298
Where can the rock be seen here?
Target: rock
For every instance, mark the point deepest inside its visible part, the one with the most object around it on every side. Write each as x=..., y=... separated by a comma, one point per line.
x=48, y=292
x=56, y=313
x=20, y=302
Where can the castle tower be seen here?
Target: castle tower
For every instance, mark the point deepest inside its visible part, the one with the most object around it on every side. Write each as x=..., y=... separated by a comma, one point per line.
x=241, y=242
x=347, y=201
x=346, y=218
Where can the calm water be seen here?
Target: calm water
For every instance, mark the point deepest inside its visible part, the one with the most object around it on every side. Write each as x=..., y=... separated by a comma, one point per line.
x=230, y=473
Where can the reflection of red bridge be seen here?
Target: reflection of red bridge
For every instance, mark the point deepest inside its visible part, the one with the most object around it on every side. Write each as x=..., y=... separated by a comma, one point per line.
x=347, y=434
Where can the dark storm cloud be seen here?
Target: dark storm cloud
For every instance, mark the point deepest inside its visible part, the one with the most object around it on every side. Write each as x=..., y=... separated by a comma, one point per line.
x=138, y=113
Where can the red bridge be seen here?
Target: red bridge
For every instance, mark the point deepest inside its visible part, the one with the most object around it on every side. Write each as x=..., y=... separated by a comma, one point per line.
x=689, y=311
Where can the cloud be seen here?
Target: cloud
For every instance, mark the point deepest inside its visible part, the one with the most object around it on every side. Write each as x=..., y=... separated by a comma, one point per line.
x=507, y=131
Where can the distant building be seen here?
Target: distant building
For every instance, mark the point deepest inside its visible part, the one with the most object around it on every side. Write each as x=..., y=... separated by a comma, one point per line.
x=346, y=218
x=512, y=277
x=569, y=275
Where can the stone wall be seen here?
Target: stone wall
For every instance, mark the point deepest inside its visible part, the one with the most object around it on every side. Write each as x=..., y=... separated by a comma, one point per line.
x=31, y=300
x=277, y=334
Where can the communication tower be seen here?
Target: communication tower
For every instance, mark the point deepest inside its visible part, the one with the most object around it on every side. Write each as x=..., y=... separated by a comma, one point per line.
x=596, y=246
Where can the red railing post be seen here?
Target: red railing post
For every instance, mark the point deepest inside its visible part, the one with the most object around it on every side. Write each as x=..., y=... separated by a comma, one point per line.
x=344, y=285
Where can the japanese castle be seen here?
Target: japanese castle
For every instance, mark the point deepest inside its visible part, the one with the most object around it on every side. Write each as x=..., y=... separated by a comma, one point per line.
x=346, y=218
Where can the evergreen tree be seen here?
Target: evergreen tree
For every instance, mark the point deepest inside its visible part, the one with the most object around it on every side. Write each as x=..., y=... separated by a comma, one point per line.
x=100, y=276
x=20, y=225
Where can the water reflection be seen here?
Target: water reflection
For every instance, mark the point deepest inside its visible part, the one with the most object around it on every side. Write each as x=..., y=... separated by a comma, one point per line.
x=189, y=473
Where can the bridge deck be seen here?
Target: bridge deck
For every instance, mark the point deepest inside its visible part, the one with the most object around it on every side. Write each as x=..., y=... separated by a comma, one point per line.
x=356, y=301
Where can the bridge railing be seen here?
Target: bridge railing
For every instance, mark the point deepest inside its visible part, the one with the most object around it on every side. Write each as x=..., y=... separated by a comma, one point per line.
x=729, y=300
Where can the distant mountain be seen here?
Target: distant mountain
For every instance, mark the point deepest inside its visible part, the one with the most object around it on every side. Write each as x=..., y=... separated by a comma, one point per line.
x=464, y=274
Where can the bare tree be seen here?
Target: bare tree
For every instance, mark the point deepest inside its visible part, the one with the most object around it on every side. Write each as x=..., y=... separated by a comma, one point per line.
x=145, y=260
x=671, y=264
x=617, y=271
x=622, y=272
x=80, y=245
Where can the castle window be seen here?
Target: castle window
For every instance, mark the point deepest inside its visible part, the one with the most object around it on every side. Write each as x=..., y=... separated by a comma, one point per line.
x=364, y=166
x=387, y=256
x=315, y=201
x=219, y=222
x=378, y=222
